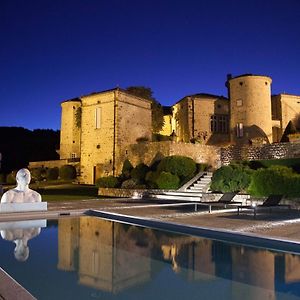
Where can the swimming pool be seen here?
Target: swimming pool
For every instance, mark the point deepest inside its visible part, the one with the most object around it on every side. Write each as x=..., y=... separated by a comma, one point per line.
x=92, y=258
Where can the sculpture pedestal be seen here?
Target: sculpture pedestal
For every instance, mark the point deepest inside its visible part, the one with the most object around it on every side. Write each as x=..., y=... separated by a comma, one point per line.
x=22, y=207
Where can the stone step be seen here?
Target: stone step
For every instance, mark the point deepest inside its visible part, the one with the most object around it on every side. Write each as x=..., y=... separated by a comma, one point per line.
x=176, y=198
x=204, y=180
x=187, y=193
x=195, y=190
x=201, y=184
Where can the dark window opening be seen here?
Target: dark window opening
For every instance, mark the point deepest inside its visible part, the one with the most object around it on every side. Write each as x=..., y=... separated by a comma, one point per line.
x=219, y=123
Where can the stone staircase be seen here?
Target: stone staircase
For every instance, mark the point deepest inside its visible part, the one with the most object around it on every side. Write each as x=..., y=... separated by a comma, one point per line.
x=201, y=185
x=191, y=191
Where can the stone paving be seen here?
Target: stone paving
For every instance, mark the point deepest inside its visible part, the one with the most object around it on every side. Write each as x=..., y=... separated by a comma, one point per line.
x=282, y=224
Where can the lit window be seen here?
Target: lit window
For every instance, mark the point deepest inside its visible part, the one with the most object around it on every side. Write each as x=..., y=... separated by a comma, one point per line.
x=239, y=130
x=219, y=123
x=98, y=117
x=239, y=102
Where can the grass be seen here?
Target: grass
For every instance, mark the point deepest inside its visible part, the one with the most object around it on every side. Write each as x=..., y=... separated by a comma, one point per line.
x=67, y=192
x=63, y=191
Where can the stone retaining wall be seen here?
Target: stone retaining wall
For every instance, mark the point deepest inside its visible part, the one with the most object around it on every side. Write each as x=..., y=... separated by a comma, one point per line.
x=270, y=151
x=48, y=163
x=149, y=152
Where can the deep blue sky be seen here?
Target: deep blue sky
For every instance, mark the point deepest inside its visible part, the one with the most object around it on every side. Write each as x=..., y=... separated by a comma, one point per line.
x=52, y=50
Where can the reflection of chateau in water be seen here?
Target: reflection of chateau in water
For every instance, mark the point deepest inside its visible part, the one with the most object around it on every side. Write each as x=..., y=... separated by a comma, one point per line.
x=105, y=254
x=112, y=257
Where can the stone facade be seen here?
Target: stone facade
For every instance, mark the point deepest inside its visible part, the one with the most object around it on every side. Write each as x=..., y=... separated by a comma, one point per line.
x=248, y=123
x=109, y=122
x=195, y=118
x=284, y=109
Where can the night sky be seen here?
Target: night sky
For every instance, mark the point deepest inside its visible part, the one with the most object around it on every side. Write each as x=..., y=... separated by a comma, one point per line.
x=53, y=50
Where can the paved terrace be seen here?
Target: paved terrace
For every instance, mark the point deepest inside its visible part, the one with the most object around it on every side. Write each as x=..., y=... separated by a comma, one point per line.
x=282, y=224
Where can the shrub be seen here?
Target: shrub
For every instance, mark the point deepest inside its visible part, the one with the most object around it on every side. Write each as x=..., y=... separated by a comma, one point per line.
x=52, y=173
x=232, y=178
x=11, y=177
x=107, y=182
x=279, y=180
x=67, y=172
x=2, y=178
x=167, y=180
x=127, y=167
x=202, y=167
x=38, y=174
x=151, y=178
x=181, y=166
x=139, y=172
x=131, y=184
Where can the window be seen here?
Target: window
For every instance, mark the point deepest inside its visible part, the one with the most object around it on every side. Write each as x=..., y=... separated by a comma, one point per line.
x=73, y=155
x=239, y=130
x=98, y=117
x=239, y=102
x=219, y=123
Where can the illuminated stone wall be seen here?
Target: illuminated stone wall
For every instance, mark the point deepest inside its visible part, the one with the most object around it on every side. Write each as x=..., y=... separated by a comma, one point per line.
x=149, y=152
x=110, y=121
x=193, y=118
x=284, y=109
x=250, y=105
x=69, y=130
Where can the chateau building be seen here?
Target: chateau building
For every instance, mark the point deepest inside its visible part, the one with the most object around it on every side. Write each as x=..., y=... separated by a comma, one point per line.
x=97, y=129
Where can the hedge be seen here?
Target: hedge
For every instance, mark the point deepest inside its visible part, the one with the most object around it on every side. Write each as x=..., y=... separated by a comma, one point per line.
x=107, y=182
x=38, y=174
x=181, y=166
x=232, y=178
x=11, y=177
x=167, y=180
x=52, y=173
x=67, y=172
x=139, y=172
x=278, y=180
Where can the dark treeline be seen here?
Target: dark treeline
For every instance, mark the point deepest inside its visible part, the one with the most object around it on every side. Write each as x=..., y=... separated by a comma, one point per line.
x=19, y=146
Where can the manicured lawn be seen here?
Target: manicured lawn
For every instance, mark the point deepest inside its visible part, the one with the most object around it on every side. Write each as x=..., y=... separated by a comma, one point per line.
x=64, y=192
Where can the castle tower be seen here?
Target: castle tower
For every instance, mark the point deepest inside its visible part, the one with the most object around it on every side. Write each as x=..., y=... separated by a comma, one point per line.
x=70, y=129
x=250, y=109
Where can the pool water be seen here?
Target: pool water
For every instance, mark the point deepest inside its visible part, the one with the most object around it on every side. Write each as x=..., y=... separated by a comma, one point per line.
x=91, y=258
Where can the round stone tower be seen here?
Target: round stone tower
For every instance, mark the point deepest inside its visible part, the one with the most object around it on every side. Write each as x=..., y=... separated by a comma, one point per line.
x=70, y=129
x=250, y=109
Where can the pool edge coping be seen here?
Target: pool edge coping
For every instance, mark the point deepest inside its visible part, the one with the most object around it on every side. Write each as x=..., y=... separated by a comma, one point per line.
x=244, y=238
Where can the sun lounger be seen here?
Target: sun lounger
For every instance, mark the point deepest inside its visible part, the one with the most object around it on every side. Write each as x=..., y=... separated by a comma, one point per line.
x=225, y=201
x=272, y=202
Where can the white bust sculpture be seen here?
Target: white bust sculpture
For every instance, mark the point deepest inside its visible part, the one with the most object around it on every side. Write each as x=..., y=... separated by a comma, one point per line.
x=21, y=193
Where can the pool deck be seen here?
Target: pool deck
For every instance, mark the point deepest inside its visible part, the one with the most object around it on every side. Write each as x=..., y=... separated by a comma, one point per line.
x=282, y=224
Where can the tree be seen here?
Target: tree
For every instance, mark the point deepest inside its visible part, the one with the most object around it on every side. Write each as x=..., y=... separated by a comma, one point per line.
x=156, y=107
